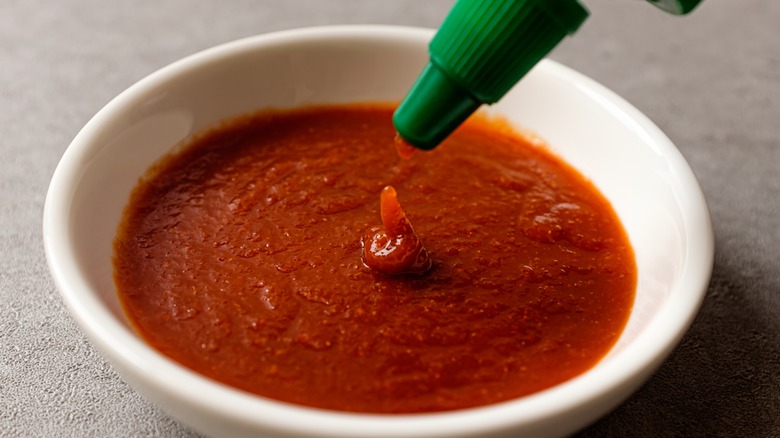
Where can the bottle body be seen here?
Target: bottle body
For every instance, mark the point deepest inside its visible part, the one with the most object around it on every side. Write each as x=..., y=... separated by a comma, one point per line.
x=481, y=50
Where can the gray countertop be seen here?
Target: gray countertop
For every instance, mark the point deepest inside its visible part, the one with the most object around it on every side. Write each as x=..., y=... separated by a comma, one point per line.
x=711, y=81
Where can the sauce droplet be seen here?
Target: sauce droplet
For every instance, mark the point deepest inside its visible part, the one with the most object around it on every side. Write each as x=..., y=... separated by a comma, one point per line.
x=394, y=248
x=403, y=148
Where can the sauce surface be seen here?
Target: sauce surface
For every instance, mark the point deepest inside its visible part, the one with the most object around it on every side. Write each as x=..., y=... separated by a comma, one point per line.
x=240, y=258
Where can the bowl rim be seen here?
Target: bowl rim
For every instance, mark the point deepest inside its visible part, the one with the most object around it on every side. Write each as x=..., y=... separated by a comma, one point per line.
x=120, y=344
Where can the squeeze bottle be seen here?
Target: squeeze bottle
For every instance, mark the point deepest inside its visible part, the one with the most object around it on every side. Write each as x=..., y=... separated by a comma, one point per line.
x=480, y=51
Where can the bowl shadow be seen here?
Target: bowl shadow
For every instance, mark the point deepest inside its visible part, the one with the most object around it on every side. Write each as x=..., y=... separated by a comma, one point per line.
x=723, y=378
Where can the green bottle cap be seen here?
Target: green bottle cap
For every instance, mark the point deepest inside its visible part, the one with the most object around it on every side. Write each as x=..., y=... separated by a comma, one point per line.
x=481, y=50
x=677, y=7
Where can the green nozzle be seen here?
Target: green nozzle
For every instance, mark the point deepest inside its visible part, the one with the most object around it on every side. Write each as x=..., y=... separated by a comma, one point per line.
x=677, y=7
x=481, y=50
x=425, y=122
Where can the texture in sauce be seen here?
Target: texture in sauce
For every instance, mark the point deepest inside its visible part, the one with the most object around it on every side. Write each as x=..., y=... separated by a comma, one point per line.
x=240, y=257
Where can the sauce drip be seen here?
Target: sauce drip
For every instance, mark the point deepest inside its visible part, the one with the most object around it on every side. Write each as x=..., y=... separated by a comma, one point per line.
x=396, y=249
x=404, y=150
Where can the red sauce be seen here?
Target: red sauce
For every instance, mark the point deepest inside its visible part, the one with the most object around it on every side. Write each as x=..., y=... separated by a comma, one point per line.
x=240, y=258
x=394, y=248
x=404, y=149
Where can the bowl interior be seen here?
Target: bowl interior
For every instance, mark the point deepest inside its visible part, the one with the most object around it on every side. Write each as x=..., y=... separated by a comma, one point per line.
x=625, y=155
x=164, y=110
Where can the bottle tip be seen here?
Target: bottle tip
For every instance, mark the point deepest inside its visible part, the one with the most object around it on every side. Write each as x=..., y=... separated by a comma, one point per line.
x=434, y=107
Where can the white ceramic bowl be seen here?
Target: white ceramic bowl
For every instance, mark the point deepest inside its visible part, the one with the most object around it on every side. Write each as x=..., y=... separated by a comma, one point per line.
x=628, y=158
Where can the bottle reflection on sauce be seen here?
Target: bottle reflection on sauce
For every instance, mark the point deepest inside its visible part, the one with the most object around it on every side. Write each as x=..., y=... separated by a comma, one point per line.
x=480, y=51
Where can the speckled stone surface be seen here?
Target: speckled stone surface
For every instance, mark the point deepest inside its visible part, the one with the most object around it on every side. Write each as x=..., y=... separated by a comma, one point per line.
x=711, y=81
